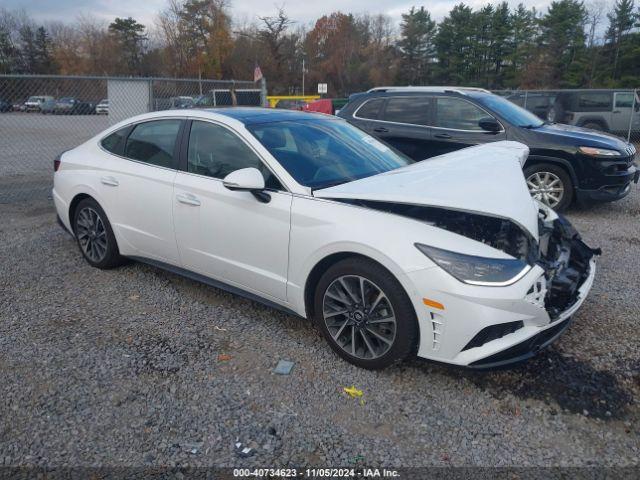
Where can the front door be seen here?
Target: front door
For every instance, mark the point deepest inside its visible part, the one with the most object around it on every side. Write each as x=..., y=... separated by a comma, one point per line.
x=622, y=110
x=456, y=125
x=230, y=235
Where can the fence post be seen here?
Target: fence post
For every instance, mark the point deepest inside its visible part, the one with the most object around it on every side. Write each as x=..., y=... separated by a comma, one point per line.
x=633, y=114
x=526, y=92
x=263, y=92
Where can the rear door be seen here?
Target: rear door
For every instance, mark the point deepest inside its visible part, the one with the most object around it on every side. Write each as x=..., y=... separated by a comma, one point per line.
x=137, y=184
x=456, y=125
x=404, y=124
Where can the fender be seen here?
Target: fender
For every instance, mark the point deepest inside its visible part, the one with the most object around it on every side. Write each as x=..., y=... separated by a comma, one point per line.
x=568, y=166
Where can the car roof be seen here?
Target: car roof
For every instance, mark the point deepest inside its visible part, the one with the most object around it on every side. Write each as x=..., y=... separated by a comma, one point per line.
x=253, y=115
x=431, y=89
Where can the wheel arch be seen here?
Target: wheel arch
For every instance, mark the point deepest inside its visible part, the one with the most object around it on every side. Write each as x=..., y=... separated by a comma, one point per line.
x=326, y=262
x=560, y=162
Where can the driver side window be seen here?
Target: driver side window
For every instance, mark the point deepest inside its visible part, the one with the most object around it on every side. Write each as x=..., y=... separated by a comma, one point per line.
x=215, y=151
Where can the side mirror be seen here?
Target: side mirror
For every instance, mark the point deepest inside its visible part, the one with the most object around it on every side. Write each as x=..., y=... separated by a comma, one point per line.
x=247, y=180
x=489, y=124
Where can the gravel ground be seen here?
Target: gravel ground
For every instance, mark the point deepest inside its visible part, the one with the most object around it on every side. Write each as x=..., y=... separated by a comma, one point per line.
x=137, y=366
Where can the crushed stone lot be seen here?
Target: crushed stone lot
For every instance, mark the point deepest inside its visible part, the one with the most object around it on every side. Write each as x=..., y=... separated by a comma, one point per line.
x=136, y=366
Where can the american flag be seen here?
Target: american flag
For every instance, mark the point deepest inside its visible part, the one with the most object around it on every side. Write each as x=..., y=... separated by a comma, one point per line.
x=257, y=73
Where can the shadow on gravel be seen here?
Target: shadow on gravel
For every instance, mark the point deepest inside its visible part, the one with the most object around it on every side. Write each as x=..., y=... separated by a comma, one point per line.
x=551, y=376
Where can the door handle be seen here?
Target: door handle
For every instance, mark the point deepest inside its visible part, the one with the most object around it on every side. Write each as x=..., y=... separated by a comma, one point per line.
x=188, y=199
x=381, y=130
x=112, y=182
x=442, y=135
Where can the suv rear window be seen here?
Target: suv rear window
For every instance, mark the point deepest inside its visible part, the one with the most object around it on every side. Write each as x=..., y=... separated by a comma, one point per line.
x=370, y=109
x=413, y=110
x=590, y=101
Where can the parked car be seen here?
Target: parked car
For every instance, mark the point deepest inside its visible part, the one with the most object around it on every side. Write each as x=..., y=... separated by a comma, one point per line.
x=565, y=162
x=291, y=105
x=102, y=108
x=536, y=102
x=390, y=258
x=604, y=110
x=182, y=102
x=48, y=106
x=5, y=106
x=33, y=103
x=73, y=106
x=329, y=106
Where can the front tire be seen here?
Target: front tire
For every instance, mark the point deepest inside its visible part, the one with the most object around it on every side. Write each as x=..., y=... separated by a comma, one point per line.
x=550, y=184
x=365, y=314
x=94, y=235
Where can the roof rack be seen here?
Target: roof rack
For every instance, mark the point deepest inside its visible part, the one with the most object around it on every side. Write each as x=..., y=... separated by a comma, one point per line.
x=460, y=90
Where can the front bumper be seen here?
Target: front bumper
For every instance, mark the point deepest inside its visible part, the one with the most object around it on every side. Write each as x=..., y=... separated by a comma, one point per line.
x=539, y=307
x=616, y=185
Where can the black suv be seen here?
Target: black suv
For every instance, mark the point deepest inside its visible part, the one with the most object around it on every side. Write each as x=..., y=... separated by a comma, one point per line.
x=565, y=162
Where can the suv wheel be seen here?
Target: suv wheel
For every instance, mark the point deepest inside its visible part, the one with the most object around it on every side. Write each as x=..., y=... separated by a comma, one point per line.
x=365, y=314
x=550, y=184
x=95, y=236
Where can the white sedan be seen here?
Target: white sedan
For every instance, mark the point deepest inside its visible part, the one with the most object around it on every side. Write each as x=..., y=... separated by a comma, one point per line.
x=449, y=259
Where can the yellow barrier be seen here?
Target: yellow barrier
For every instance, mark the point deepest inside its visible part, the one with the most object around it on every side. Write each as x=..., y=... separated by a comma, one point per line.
x=274, y=99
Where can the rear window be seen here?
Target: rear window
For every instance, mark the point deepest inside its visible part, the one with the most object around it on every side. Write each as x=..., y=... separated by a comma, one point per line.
x=594, y=101
x=153, y=142
x=624, y=100
x=370, y=109
x=413, y=110
x=113, y=142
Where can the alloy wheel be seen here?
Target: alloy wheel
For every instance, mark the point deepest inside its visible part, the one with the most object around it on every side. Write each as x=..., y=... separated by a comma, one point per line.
x=359, y=317
x=546, y=187
x=92, y=236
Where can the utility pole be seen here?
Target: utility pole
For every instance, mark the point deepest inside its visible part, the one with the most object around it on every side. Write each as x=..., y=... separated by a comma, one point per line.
x=302, y=74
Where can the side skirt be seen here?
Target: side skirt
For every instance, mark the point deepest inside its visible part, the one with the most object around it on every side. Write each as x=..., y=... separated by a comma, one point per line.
x=214, y=283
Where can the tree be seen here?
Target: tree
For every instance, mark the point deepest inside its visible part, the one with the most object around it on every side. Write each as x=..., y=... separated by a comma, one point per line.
x=129, y=36
x=454, y=45
x=416, y=46
x=521, y=43
x=621, y=21
x=562, y=44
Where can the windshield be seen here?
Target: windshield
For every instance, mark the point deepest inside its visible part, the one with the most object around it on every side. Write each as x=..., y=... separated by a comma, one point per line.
x=34, y=99
x=320, y=153
x=512, y=113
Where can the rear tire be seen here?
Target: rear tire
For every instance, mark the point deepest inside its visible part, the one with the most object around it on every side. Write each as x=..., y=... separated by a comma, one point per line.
x=358, y=298
x=544, y=180
x=94, y=235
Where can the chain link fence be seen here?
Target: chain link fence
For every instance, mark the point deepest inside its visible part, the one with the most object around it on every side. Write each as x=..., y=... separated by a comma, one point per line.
x=42, y=116
x=615, y=111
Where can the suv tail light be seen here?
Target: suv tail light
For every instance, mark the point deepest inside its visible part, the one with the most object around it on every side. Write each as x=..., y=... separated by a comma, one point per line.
x=58, y=160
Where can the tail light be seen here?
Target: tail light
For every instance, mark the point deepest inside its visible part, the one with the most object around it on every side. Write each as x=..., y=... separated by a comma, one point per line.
x=57, y=161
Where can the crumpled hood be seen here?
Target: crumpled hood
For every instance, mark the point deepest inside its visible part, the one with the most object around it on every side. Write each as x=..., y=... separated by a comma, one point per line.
x=485, y=179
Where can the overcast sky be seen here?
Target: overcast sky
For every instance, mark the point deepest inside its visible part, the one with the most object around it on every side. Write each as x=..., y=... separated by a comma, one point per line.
x=242, y=11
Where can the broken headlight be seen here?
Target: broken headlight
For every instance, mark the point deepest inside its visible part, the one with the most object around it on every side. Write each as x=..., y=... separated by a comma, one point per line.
x=496, y=272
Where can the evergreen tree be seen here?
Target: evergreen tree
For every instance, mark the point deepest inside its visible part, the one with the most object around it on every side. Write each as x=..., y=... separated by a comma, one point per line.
x=129, y=36
x=454, y=46
x=562, y=43
x=43, y=48
x=621, y=21
x=28, y=53
x=416, y=46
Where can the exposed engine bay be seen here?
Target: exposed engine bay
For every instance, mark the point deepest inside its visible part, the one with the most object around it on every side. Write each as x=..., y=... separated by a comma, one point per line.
x=560, y=251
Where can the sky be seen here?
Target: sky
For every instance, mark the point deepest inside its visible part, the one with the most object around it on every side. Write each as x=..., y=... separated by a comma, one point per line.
x=242, y=11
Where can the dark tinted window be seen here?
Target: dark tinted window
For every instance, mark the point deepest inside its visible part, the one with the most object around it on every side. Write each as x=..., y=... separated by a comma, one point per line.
x=370, y=109
x=153, y=142
x=594, y=101
x=414, y=110
x=215, y=151
x=112, y=143
x=320, y=153
x=459, y=114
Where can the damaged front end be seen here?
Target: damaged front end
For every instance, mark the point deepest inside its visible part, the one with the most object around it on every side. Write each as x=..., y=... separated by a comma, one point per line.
x=565, y=259
x=559, y=250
